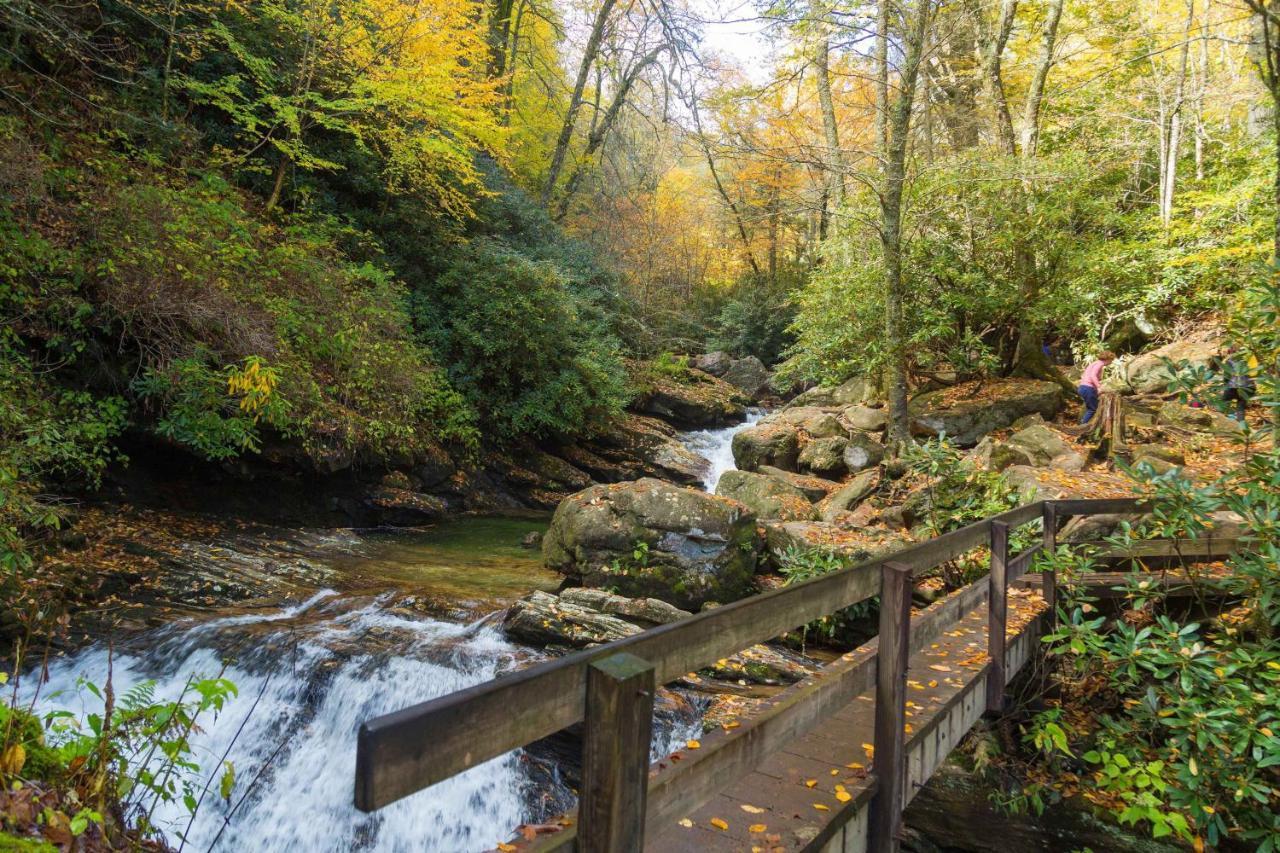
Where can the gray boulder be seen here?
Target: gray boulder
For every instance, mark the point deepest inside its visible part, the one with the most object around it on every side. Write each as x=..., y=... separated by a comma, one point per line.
x=716, y=363
x=654, y=540
x=580, y=617
x=824, y=456
x=866, y=418
x=767, y=497
x=776, y=444
x=645, y=612
x=966, y=418
x=846, y=394
x=847, y=498
x=825, y=426
x=1148, y=374
x=814, y=488
x=541, y=618
x=700, y=400
x=1071, y=462
x=1201, y=419
x=862, y=451
x=1161, y=452
x=748, y=375
x=1037, y=445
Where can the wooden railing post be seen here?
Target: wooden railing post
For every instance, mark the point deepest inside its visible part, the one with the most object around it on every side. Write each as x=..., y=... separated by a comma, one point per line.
x=997, y=615
x=615, y=755
x=889, y=756
x=1049, y=580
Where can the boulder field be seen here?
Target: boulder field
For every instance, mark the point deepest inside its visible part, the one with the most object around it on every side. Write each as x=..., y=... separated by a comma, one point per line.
x=812, y=477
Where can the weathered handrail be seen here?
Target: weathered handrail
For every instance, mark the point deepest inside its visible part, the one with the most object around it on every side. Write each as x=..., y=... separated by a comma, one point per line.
x=402, y=752
x=394, y=759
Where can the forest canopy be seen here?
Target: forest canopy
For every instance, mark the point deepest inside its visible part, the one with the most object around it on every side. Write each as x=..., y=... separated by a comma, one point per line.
x=424, y=222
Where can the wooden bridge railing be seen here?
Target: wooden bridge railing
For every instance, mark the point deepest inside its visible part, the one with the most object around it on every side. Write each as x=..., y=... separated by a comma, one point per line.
x=611, y=688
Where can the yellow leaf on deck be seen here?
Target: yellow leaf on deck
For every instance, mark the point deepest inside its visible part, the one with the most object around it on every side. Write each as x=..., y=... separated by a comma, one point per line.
x=506, y=848
x=732, y=724
x=693, y=744
x=835, y=772
x=933, y=683
x=719, y=824
x=757, y=827
x=752, y=809
x=940, y=667
x=844, y=796
x=820, y=807
x=809, y=783
x=685, y=822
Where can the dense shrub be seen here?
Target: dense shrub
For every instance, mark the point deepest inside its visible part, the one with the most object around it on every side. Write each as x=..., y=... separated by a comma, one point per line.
x=195, y=286
x=519, y=344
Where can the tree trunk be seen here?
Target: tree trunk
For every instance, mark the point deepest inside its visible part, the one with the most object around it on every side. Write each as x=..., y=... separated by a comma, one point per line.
x=499, y=36
x=882, y=78
x=834, y=159
x=1173, y=138
x=589, y=53
x=277, y=186
x=602, y=123
x=898, y=129
x=1035, y=94
x=992, y=58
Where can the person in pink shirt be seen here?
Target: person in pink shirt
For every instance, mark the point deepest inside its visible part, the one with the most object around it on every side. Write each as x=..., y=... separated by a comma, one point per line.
x=1091, y=384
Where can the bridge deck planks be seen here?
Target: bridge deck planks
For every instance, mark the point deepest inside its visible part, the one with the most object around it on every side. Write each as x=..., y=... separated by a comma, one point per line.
x=778, y=785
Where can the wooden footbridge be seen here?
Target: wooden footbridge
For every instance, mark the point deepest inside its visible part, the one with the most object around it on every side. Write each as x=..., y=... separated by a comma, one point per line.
x=828, y=764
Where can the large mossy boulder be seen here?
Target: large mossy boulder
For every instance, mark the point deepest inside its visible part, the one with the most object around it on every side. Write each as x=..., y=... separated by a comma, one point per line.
x=1037, y=445
x=861, y=452
x=696, y=400
x=767, y=497
x=814, y=488
x=716, y=363
x=966, y=413
x=1149, y=373
x=824, y=456
x=748, y=375
x=865, y=418
x=654, y=540
x=851, y=391
x=635, y=446
x=776, y=444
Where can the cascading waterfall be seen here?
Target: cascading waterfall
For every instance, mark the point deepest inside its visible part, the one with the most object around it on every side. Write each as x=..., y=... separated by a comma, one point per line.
x=716, y=446
x=307, y=676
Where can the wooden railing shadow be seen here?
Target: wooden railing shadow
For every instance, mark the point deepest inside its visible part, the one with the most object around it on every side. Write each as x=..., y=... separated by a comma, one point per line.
x=611, y=689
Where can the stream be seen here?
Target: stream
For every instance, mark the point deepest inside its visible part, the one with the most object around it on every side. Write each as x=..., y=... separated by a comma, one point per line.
x=716, y=446
x=389, y=619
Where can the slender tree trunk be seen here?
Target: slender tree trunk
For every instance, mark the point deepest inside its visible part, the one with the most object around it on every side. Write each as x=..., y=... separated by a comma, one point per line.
x=500, y=17
x=589, y=53
x=1173, y=141
x=898, y=130
x=277, y=185
x=1202, y=87
x=882, y=77
x=834, y=159
x=992, y=79
x=602, y=122
x=1035, y=93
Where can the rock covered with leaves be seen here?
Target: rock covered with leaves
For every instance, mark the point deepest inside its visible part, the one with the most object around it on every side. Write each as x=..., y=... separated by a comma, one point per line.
x=965, y=413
